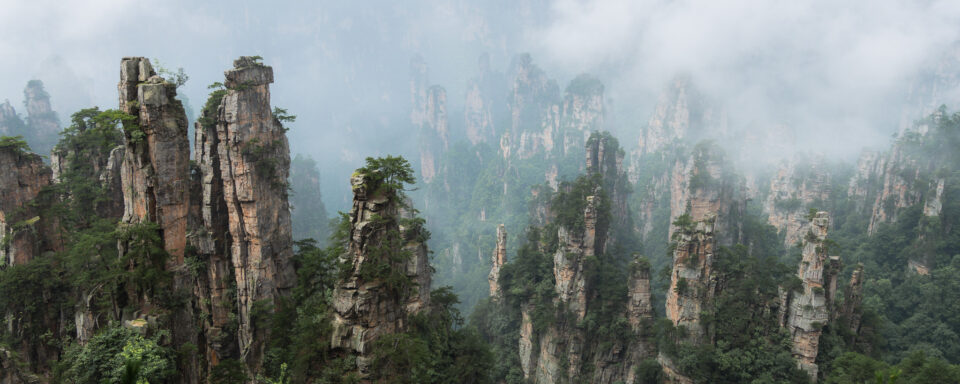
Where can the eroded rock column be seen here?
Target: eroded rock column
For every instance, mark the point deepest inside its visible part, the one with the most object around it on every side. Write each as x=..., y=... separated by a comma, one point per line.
x=499, y=258
x=367, y=307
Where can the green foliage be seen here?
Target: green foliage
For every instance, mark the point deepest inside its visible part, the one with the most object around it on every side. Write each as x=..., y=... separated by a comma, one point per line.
x=145, y=257
x=178, y=77
x=115, y=353
x=229, y=371
x=14, y=143
x=283, y=116
x=387, y=175
x=209, y=113
x=750, y=346
x=585, y=84
x=918, y=368
x=789, y=205
x=435, y=350
x=266, y=163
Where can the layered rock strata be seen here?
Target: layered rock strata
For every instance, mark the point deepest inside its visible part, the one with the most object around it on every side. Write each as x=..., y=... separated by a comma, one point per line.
x=155, y=171
x=24, y=176
x=807, y=311
x=498, y=259
x=244, y=187
x=367, y=307
x=795, y=186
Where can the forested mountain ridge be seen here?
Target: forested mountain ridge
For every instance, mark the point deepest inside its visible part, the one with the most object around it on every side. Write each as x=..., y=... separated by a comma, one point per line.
x=132, y=258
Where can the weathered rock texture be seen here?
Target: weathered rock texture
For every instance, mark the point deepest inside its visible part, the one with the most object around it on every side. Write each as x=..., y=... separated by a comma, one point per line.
x=564, y=352
x=41, y=119
x=106, y=166
x=365, y=307
x=692, y=286
x=483, y=101
x=21, y=180
x=499, y=257
x=155, y=178
x=806, y=312
x=534, y=111
x=429, y=116
x=795, y=186
x=681, y=113
x=10, y=122
x=155, y=172
x=253, y=161
x=852, y=300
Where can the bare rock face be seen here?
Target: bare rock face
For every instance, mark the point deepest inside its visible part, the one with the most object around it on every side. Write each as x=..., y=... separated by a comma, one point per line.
x=23, y=176
x=254, y=163
x=932, y=87
x=155, y=171
x=429, y=116
x=42, y=120
x=564, y=351
x=807, y=311
x=105, y=166
x=681, y=112
x=367, y=307
x=702, y=187
x=482, y=101
x=534, y=111
x=852, y=301
x=155, y=179
x=886, y=182
x=793, y=188
x=692, y=286
x=10, y=122
x=434, y=138
x=499, y=257
x=619, y=363
x=582, y=111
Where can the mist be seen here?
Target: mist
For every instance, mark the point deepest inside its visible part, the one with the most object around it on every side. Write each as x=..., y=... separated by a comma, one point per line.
x=837, y=74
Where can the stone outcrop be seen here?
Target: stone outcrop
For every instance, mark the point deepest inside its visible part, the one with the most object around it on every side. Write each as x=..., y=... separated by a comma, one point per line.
x=429, y=116
x=254, y=163
x=22, y=178
x=807, y=311
x=106, y=167
x=564, y=351
x=10, y=122
x=483, y=100
x=12, y=373
x=853, y=298
x=682, y=113
x=41, y=119
x=434, y=135
x=498, y=259
x=793, y=188
x=534, y=111
x=692, y=285
x=367, y=307
x=155, y=172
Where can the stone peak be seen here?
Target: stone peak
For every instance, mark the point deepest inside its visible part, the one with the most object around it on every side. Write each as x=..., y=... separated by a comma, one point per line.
x=248, y=71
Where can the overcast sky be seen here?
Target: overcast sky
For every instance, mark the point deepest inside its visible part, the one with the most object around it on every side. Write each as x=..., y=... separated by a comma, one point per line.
x=831, y=69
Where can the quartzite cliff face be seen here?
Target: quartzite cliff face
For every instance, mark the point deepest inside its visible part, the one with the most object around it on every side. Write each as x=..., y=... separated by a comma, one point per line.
x=795, y=186
x=23, y=176
x=564, y=351
x=155, y=171
x=244, y=217
x=499, y=257
x=806, y=312
x=367, y=307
